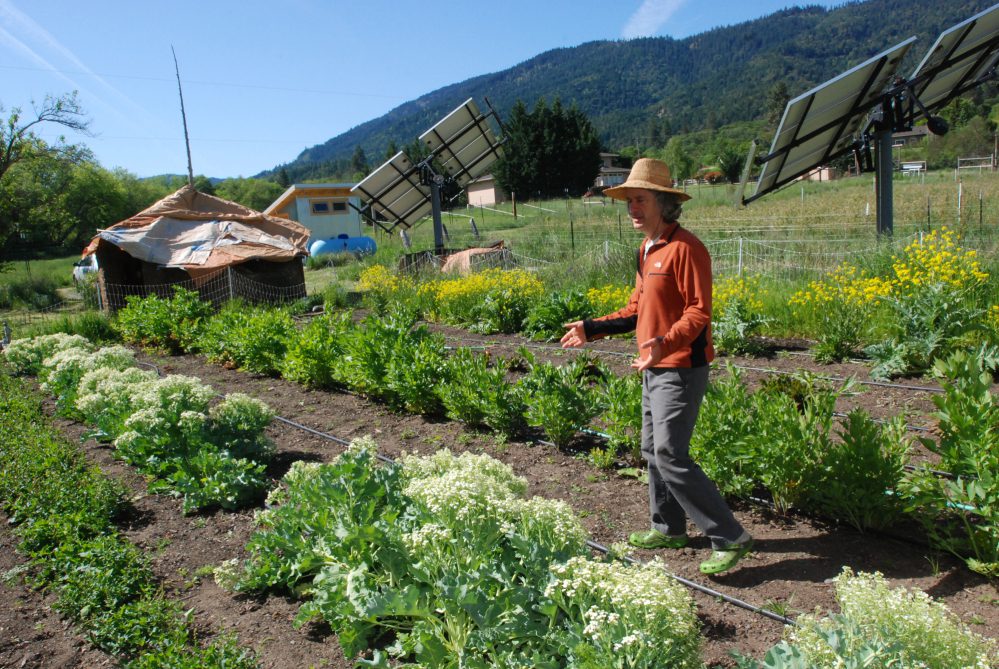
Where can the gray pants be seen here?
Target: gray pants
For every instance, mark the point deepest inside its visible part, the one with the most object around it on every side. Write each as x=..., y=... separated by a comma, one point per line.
x=671, y=399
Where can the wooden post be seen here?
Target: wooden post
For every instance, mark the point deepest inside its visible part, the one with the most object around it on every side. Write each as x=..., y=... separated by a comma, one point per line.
x=513, y=198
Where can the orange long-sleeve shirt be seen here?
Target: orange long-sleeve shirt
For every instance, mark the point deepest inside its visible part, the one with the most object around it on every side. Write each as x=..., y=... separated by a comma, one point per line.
x=672, y=299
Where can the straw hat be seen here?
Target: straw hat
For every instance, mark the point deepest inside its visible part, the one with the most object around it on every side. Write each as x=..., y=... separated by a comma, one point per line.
x=649, y=174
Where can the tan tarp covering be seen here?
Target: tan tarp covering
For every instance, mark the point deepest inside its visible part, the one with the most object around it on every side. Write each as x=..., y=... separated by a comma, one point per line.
x=462, y=261
x=202, y=233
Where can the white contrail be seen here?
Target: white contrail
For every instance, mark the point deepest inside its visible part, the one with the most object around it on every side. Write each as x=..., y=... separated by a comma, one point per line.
x=28, y=52
x=21, y=23
x=650, y=17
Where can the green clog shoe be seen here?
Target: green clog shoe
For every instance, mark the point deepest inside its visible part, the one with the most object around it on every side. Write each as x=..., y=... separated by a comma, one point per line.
x=723, y=560
x=656, y=539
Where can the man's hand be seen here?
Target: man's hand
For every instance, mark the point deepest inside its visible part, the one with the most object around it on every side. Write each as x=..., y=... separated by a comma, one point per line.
x=656, y=351
x=576, y=335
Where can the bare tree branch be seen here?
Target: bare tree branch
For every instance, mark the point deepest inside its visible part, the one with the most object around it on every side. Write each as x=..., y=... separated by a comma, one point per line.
x=16, y=136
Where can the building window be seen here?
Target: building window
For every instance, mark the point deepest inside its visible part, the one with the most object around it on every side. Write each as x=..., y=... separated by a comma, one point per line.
x=328, y=207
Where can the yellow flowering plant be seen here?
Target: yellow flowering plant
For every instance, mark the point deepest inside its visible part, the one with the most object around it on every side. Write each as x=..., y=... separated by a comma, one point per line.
x=737, y=315
x=494, y=300
x=382, y=287
x=936, y=304
x=609, y=298
x=844, y=303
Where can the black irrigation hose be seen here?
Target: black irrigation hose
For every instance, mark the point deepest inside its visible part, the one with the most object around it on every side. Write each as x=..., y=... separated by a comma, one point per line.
x=542, y=347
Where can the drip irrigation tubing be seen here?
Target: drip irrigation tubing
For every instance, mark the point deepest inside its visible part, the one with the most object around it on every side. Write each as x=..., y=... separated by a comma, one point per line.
x=542, y=347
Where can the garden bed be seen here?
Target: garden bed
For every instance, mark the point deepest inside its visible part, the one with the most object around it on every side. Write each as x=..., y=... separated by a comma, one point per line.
x=788, y=571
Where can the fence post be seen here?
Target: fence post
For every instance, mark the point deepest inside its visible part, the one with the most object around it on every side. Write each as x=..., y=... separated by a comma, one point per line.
x=513, y=199
x=572, y=235
x=232, y=291
x=980, y=211
x=739, y=270
x=620, y=233
x=960, y=196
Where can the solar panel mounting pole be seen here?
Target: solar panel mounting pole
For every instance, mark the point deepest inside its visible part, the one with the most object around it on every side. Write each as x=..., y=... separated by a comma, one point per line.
x=883, y=176
x=430, y=178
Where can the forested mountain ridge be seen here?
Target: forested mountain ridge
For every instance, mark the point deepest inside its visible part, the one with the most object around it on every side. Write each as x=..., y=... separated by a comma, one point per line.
x=639, y=92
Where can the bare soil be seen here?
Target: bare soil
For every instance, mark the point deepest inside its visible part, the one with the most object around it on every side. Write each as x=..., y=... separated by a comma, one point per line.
x=788, y=571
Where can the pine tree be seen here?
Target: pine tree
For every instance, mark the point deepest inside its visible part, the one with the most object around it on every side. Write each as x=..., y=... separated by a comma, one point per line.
x=549, y=151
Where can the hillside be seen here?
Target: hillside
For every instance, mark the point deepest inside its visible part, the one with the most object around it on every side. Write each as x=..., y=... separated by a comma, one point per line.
x=637, y=90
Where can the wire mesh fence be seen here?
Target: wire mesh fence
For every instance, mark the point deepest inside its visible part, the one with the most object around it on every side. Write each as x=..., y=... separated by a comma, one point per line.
x=219, y=287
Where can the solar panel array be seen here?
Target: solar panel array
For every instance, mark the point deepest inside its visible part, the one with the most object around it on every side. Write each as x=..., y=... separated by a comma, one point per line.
x=462, y=144
x=822, y=124
x=831, y=119
x=959, y=60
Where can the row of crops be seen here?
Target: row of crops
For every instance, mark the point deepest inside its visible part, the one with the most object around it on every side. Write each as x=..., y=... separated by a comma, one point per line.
x=63, y=512
x=901, y=309
x=784, y=440
x=437, y=560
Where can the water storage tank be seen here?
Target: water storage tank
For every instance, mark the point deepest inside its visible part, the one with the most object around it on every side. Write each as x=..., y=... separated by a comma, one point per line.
x=343, y=244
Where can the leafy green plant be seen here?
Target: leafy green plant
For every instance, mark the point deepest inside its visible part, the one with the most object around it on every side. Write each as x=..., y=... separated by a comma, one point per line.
x=842, y=332
x=723, y=443
x=63, y=511
x=859, y=470
x=480, y=395
x=736, y=331
x=166, y=324
x=502, y=310
x=314, y=351
x=223, y=653
x=99, y=575
x=790, y=442
x=138, y=627
x=415, y=371
x=369, y=350
x=621, y=400
x=962, y=515
x=559, y=401
x=210, y=478
x=927, y=324
x=546, y=318
x=254, y=339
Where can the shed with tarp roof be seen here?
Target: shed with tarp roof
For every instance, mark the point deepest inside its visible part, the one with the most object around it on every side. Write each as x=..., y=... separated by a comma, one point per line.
x=201, y=242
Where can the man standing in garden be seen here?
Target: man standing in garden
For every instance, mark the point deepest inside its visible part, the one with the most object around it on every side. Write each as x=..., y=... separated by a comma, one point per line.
x=670, y=311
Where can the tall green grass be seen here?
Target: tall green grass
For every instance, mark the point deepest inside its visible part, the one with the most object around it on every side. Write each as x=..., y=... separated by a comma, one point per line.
x=34, y=284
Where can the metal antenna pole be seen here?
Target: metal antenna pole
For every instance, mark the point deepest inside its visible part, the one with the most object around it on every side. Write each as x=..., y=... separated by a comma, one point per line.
x=183, y=116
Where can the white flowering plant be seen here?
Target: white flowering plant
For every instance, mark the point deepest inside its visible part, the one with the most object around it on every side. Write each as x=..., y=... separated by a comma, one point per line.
x=446, y=555
x=105, y=398
x=627, y=616
x=62, y=371
x=880, y=627
x=166, y=423
x=25, y=356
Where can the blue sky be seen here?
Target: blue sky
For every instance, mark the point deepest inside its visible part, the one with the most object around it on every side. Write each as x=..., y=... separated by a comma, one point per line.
x=264, y=80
